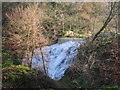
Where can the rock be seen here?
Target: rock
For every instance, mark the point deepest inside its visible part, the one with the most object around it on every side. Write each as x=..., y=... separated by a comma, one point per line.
x=69, y=34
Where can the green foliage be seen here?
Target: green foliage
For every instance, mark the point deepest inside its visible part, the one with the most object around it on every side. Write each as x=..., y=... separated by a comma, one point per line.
x=113, y=86
x=18, y=76
x=7, y=58
x=74, y=80
x=106, y=30
x=14, y=73
x=75, y=34
x=7, y=63
x=105, y=42
x=79, y=35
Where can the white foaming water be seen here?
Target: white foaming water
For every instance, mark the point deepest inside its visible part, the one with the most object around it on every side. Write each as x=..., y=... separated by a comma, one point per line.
x=58, y=58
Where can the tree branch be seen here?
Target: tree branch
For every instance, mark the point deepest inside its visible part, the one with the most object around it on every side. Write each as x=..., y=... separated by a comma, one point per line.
x=109, y=18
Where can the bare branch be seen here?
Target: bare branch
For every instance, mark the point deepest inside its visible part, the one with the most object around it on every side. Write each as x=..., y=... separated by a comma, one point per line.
x=109, y=18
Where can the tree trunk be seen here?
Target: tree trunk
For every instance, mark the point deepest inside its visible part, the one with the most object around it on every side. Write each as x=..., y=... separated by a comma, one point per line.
x=43, y=62
x=109, y=18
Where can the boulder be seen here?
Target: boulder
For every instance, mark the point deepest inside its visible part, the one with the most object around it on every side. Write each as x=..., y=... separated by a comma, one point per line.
x=69, y=34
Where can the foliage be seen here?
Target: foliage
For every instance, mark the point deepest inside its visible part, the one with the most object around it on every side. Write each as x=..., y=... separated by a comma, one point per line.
x=112, y=13
x=24, y=28
x=113, y=87
x=9, y=59
x=109, y=68
x=74, y=17
x=16, y=75
x=23, y=32
x=95, y=67
x=25, y=77
x=69, y=80
x=6, y=59
x=7, y=63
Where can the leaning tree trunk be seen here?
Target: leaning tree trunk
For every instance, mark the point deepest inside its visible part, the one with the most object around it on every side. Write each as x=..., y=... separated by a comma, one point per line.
x=109, y=18
x=43, y=61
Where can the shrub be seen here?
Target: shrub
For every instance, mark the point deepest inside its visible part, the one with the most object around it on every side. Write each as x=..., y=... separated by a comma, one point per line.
x=23, y=31
x=110, y=67
x=97, y=65
x=25, y=77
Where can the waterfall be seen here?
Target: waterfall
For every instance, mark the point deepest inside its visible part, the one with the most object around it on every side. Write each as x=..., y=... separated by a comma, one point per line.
x=58, y=58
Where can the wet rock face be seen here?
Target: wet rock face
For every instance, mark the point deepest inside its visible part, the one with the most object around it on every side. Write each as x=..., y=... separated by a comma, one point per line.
x=58, y=58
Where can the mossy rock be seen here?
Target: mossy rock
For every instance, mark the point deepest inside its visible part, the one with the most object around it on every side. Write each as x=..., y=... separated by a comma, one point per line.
x=25, y=77
x=80, y=35
x=15, y=76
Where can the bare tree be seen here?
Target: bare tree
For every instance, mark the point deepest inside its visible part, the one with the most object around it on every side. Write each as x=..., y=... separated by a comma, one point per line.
x=25, y=30
x=112, y=13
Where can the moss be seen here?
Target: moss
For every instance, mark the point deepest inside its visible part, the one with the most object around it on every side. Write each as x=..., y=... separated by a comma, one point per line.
x=76, y=34
x=25, y=77
x=16, y=75
x=80, y=35
x=114, y=86
x=7, y=63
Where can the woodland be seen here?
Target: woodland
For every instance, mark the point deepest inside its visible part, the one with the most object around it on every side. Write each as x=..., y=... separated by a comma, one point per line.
x=30, y=25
